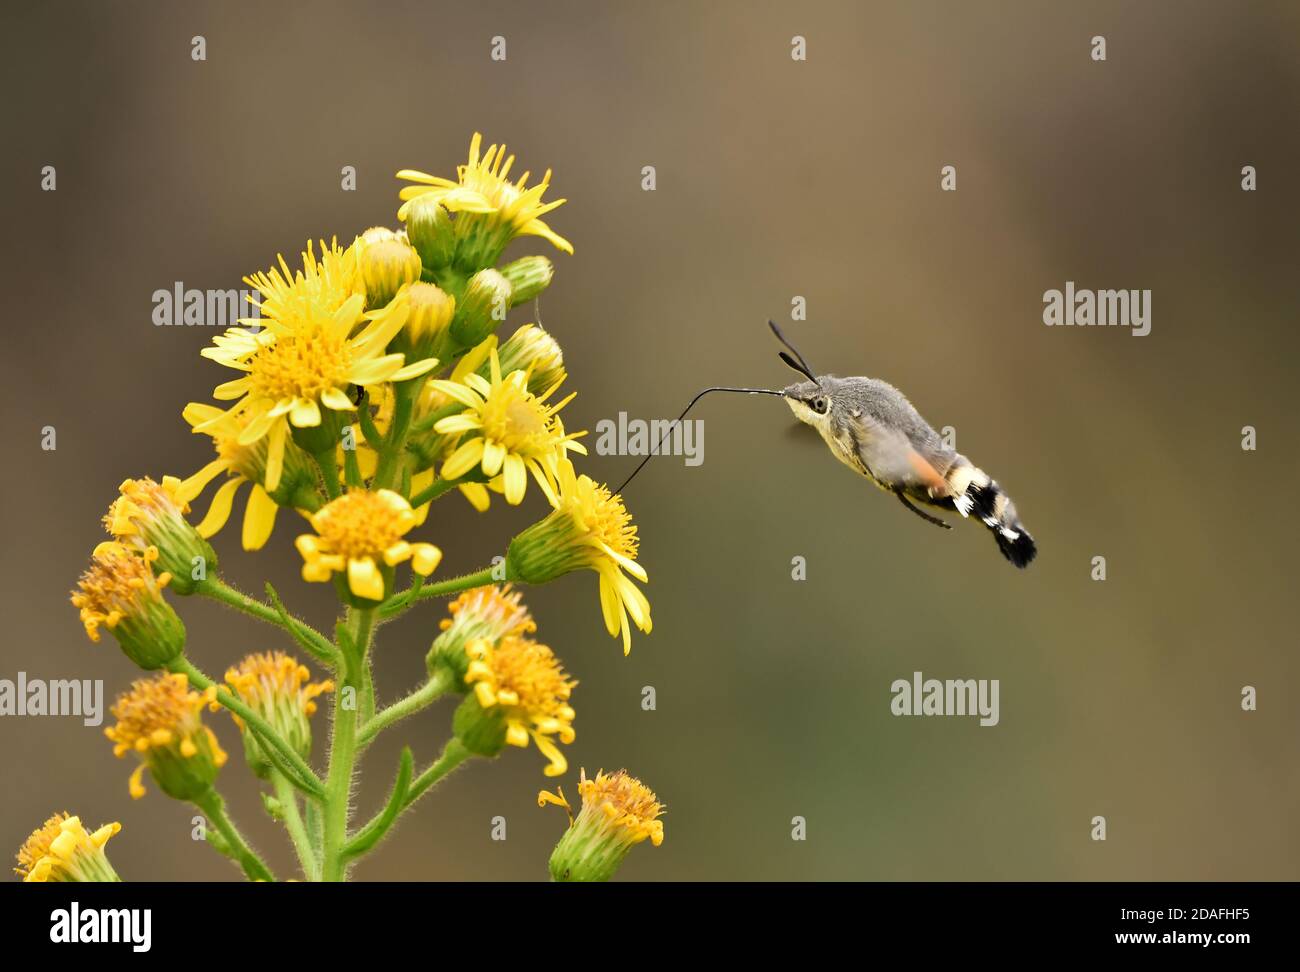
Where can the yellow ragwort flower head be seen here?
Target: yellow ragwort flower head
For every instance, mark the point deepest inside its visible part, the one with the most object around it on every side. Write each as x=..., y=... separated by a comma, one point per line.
x=158, y=720
x=306, y=359
x=618, y=812
x=431, y=448
x=520, y=692
x=149, y=514
x=494, y=209
x=588, y=529
x=242, y=464
x=62, y=850
x=278, y=688
x=508, y=430
x=359, y=531
x=294, y=298
x=121, y=592
x=480, y=614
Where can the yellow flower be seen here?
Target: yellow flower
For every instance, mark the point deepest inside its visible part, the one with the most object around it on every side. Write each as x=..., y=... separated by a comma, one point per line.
x=158, y=720
x=512, y=431
x=121, y=592
x=292, y=298
x=480, y=614
x=520, y=692
x=305, y=359
x=62, y=850
x=242, y=464
x=504, y=209
x=618, y=812
x=148, y=514
x=588, y=529
x=356, y=533
x=430, y=447
x=278, y=688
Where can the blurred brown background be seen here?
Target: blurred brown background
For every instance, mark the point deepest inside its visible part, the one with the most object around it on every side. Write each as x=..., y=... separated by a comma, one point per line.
x=775, y=179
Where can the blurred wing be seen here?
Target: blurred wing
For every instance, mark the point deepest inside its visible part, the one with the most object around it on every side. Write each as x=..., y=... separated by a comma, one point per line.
x=893, y=461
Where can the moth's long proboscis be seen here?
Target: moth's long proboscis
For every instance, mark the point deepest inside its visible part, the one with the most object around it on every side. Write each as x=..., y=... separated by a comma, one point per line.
x=676, y=421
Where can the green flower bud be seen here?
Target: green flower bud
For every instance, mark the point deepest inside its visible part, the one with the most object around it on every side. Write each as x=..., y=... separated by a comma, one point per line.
x=482, y=731
x=279, y=689
x=322, y=438
x=430, y=228
x=618, y=812
x=528, y=277
x=426, y=333
x=533, y=350
x=484, y=306
x=120, y=591
x=158, y=720
x=481, y=614
x=386, y=267
x=148, y=514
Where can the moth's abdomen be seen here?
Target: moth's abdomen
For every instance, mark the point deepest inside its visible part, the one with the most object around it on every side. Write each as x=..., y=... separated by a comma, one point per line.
x=975, y=493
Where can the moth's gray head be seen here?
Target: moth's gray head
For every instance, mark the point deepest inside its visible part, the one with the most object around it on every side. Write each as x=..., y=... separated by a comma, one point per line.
x=811, y=401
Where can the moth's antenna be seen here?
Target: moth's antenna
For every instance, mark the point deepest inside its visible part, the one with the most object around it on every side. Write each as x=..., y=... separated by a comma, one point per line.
x=664, y=438
x=802, y=365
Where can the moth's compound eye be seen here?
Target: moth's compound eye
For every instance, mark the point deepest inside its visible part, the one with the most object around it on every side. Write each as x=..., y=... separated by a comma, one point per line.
x=819, y=405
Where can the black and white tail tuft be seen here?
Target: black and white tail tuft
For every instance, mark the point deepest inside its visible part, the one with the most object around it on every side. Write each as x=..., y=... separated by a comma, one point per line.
x=979, y=496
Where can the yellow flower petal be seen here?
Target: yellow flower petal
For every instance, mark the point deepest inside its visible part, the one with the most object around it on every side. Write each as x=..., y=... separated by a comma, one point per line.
x=364, y=579
x=259, y=518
